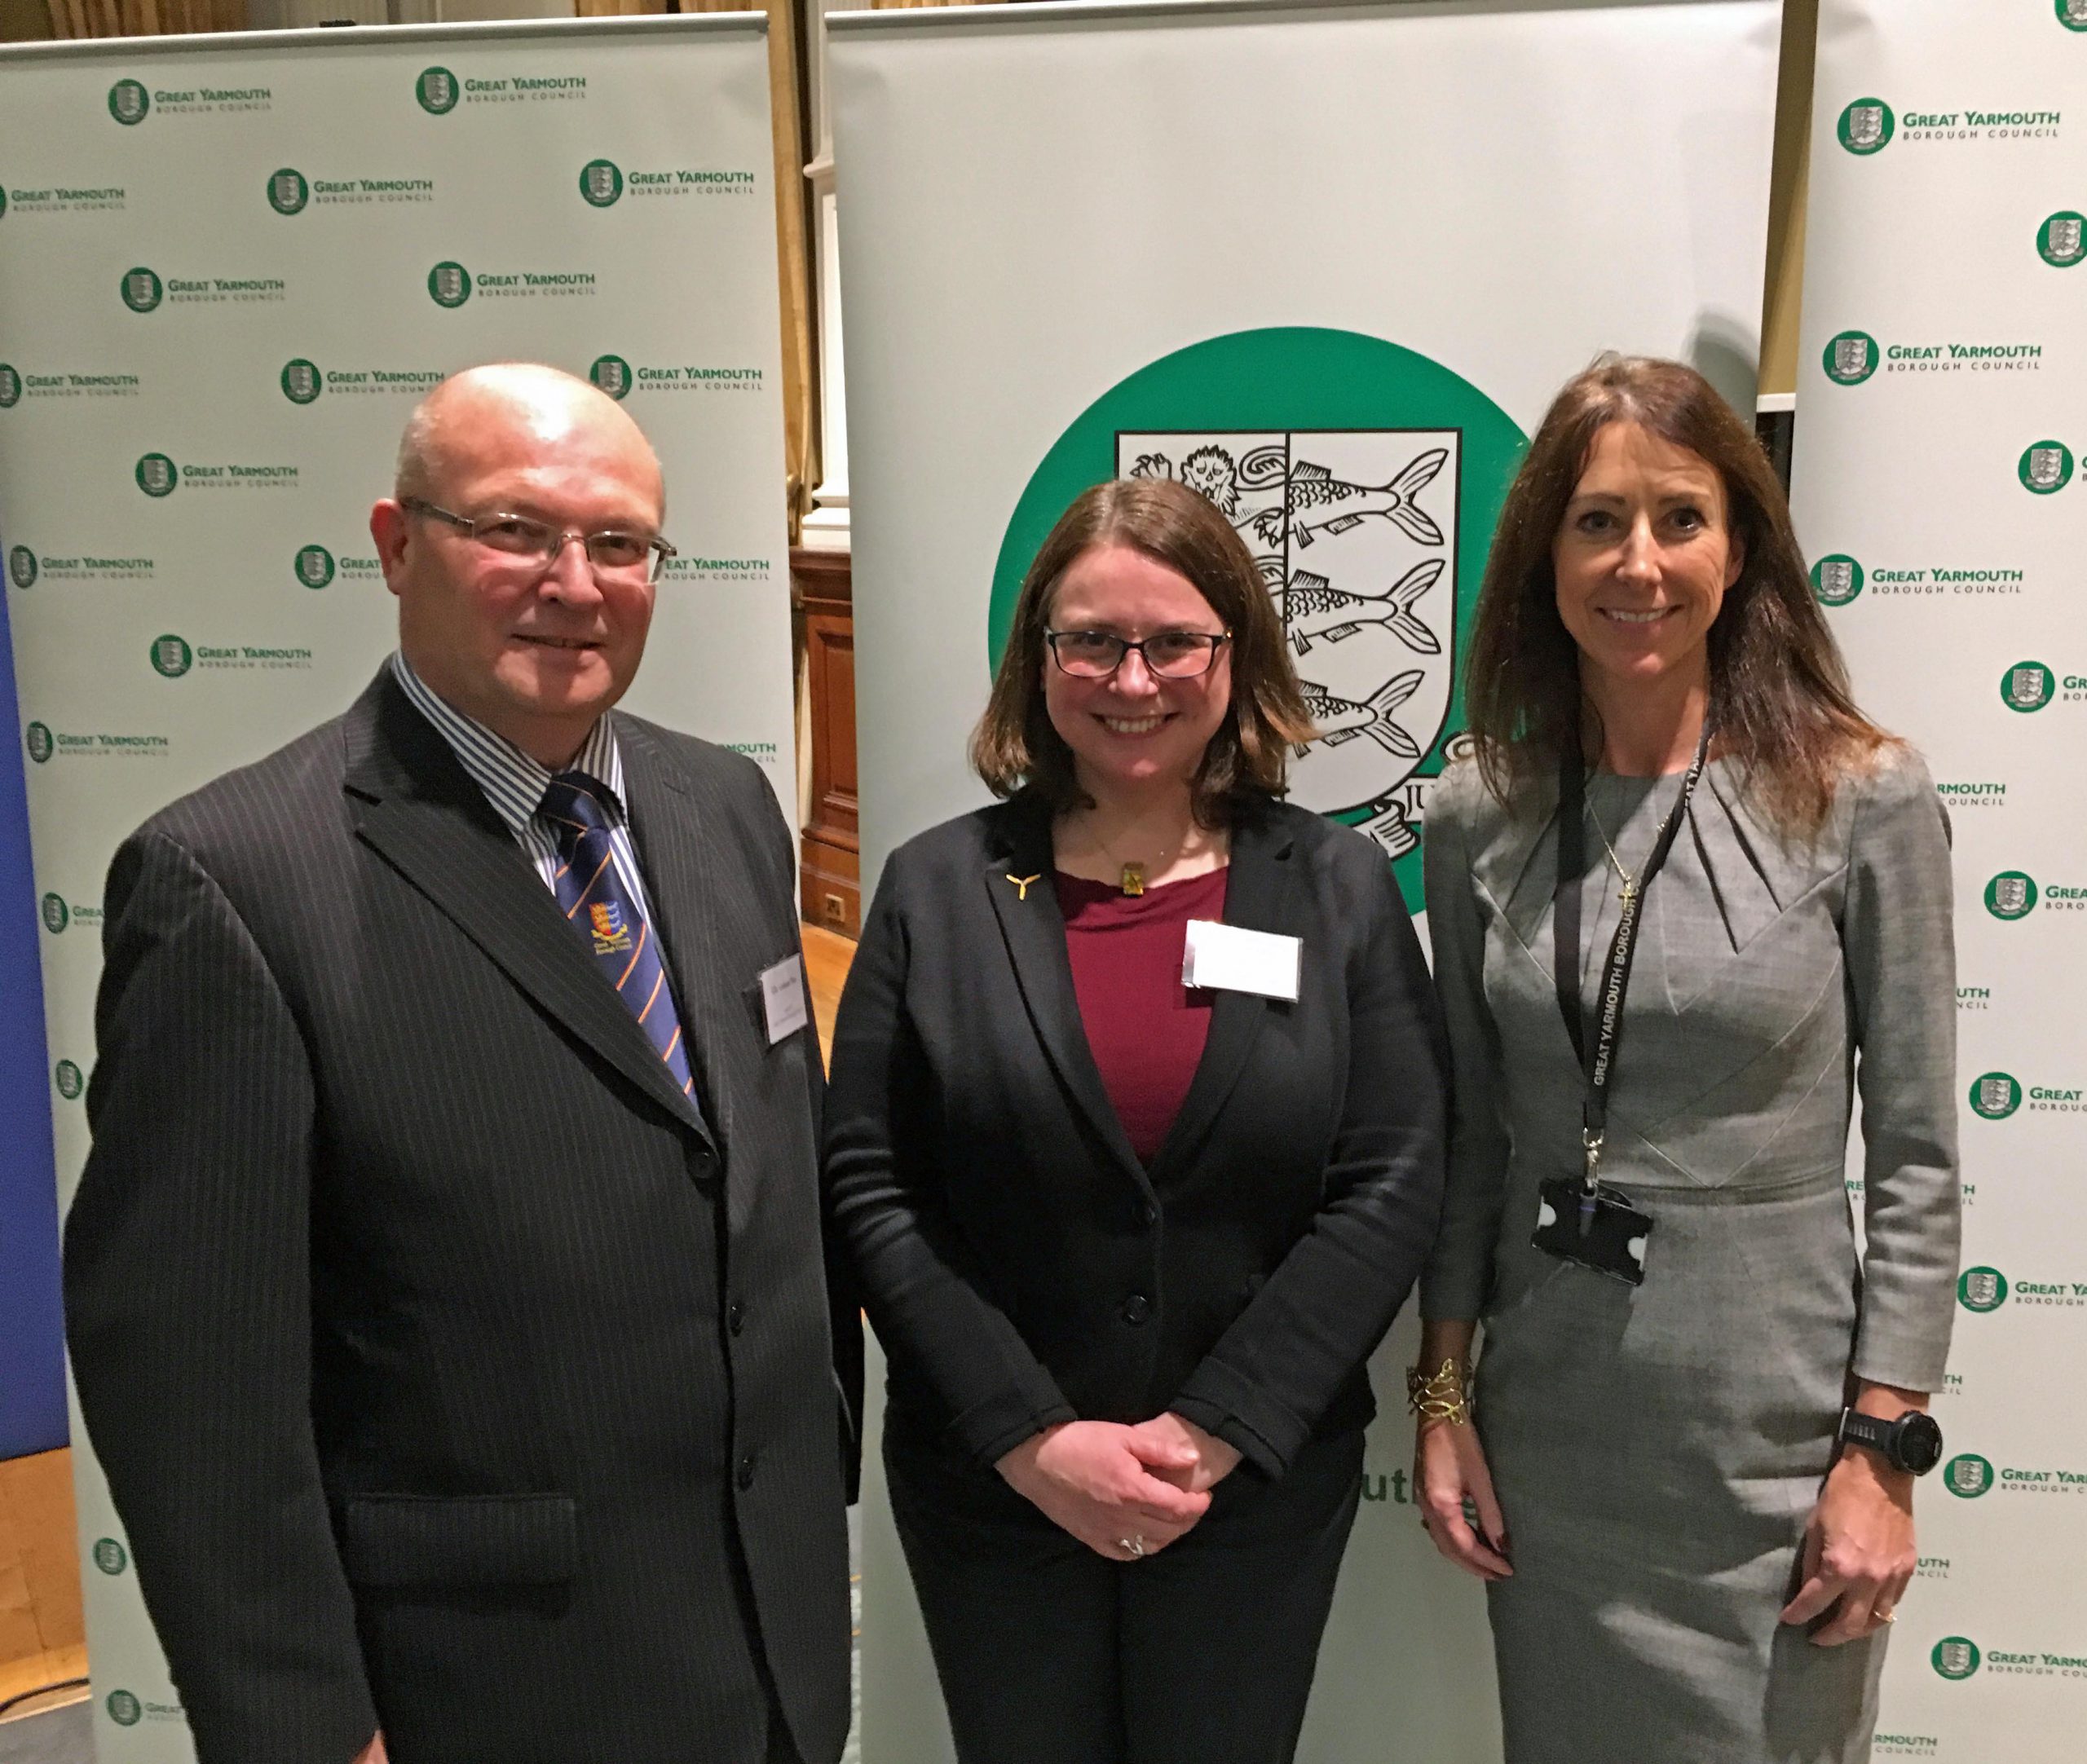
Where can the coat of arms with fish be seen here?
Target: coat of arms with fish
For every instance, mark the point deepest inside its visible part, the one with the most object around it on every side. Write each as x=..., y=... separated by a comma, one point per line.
x=1356, y=534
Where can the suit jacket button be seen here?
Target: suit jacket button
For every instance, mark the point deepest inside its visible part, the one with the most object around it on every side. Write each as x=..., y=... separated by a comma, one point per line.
x=744, y=1479
x=1148, y=1213
x=1137, y=1309
x=735, y=1316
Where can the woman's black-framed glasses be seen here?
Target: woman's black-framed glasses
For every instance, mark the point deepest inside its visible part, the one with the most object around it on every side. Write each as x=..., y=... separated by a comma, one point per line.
x=1166, y=654
x=614, y=555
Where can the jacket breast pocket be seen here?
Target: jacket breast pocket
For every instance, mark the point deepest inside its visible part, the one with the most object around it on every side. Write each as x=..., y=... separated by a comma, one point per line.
x=424, y=1542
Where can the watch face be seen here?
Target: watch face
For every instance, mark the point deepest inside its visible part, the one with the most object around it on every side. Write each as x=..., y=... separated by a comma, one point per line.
x=1920, y=1442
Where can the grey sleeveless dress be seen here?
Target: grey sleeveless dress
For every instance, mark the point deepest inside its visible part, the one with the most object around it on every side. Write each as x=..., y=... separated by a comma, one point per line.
x=1657, y=1450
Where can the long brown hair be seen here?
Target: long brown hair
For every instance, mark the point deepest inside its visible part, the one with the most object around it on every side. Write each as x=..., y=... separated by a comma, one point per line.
x=1245, y=761
x=1779, y=689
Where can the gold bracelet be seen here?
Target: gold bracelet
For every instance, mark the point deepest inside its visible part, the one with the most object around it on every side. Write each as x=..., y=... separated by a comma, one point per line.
x=1444, y=1394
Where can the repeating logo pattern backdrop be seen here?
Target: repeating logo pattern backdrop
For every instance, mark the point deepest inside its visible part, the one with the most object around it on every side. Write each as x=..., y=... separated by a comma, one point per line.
x=226, y=273
x=1938, y=491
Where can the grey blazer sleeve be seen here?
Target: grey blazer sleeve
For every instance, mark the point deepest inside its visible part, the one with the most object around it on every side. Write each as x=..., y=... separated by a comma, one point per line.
x=1896, y=933
x=1459, y=1270
x=202, y=1104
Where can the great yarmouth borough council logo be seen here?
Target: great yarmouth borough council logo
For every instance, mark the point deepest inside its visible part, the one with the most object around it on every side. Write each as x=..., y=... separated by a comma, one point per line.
x=155, y=475
x=1850, y=358
x=2044, y=467
x=22, y=569
x=301, y=382
x=142, y=289
x=1955, y=1657
x=601, y=182
x=449, y=284
x=2011, y=895
x=612, y=374
x=56, y=915
x=11, y=386
x=1968, y=1475
x=2059, y=241
x=129, y=102
x=437, y=90
x=1995, y=1096
x=124, y=1708
x=288, y=190
x=1982, y=1289
x=1836, y=579
x=171, y=657
x=2072, y=13
x=2028, y=686
x=71, y=1081
x=109, y=1555
x=1866, y=125
x=40, y=742
x=1364, y=478
x=315, y=567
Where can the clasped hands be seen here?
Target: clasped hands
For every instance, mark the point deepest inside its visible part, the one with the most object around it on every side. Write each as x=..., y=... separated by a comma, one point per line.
x=1124, y=1491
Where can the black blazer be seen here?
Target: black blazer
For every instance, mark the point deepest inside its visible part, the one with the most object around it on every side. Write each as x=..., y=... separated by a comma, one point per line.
x=448, y=1374
x=1019, y=1265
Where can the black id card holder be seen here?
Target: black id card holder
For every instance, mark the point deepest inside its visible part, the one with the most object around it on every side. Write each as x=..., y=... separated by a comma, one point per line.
x=1598, y=1229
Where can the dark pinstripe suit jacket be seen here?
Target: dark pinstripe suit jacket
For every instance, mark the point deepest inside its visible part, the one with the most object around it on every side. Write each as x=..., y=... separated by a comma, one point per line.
x=448, y=1374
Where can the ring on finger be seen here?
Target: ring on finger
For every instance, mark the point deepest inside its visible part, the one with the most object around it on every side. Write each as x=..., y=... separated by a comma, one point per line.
x=1134, y=1546
x=1885, y=1614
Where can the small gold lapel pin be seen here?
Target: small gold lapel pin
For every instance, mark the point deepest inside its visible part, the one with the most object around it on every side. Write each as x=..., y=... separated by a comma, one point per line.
x=1022, y=882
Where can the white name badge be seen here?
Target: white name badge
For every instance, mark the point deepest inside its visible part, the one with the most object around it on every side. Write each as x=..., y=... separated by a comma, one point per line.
x=1235, y=959
x=782, y=999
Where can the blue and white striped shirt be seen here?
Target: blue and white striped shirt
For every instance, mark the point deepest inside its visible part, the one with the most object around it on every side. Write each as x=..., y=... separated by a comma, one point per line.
x=514, y=784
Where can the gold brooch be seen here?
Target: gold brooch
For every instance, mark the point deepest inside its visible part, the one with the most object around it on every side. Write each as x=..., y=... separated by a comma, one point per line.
x=1022, y=882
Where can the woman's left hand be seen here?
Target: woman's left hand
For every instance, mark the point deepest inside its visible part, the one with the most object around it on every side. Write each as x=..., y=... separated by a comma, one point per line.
x=1858, y=1550
x=1214, y=1460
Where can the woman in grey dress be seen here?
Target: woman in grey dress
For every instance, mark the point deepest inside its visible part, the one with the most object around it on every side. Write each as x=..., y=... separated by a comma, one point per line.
x=1688, y=1559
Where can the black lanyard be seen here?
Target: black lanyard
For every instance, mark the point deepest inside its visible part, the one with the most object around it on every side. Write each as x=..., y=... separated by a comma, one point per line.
x=1598, y=1058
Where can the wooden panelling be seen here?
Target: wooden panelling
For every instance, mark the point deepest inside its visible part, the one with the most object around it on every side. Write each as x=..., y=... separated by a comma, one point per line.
x=43, y=1635
x=830, y=865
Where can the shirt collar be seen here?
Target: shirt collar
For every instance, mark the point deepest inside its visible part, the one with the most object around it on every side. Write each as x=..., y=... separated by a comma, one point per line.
x=513, y=782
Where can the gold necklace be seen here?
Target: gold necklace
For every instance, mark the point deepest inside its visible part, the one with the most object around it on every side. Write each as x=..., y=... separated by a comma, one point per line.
x=1616, y=863
x=1130, y=877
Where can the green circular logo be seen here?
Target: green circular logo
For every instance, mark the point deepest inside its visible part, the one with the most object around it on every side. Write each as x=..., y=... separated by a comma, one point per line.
x=124, y=1708
x=1866, y=125
x=1968, y=1475
x=601, y=182
x=11, y=386
x=287, y=192
x=437, y=90
x=1955, y=1656
x=171, y=657
x=612, y=374
x=1850, y=358
x=128, y=103
x=2028, y=686
x=155, y=475
x=22, y=566
x=71, y=1081
x=1995, y=1096
x=315, y=566
x=141, y=290
x=2059, y=241
x=110, y=1556
x=449, y=284
x=1366, y=479
x=40, y=742
x=2045, y=467
x=1982, y=1289
x=56, y=915
x=2011, y=895
x=2072, y=13
x=1836, y=579
x=301, y=382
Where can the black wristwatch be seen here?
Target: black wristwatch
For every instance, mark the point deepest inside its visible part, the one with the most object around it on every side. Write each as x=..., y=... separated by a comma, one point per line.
x=1912, y=1443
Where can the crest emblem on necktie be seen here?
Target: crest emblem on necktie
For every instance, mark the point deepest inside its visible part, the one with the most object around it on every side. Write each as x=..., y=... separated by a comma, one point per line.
x=611, y=935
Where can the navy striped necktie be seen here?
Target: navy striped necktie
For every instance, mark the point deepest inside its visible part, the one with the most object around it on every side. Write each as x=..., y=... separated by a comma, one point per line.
x=603, y=910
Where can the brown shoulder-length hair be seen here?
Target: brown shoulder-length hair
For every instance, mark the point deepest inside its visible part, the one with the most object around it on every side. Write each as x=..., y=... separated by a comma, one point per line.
x=1779, y=689
x=1014, y=743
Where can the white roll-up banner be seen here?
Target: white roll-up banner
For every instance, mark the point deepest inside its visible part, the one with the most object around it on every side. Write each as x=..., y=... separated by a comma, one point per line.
x=1941, y=431
x=228, y=268
x=1254, y=247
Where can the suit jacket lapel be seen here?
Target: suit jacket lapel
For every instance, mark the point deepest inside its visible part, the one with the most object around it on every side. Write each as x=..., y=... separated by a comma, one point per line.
x=673, y=819
x=1257, y=897
x=414, y=803
x=1034, y=932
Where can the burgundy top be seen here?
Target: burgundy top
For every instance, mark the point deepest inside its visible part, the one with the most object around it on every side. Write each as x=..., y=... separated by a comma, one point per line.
x=1145, y=1028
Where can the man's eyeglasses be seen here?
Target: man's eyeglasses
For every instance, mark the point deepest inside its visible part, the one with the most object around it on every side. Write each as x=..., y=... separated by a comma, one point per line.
x=1166, y=654
x=614, y=556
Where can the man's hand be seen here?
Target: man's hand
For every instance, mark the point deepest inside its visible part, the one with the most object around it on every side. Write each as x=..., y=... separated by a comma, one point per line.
x=1213, y=1459
x=373, y=1753
x=1095, y=1479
